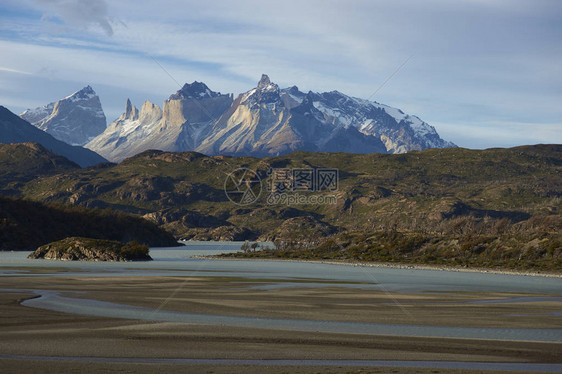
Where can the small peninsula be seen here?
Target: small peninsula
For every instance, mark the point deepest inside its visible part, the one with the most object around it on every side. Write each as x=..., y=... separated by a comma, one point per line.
x=87, y=249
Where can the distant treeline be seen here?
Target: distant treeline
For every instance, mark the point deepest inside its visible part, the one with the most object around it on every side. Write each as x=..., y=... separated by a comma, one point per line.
x=25, y=225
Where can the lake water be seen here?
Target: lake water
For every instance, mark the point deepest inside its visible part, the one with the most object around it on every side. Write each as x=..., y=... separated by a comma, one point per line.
x=179, y=261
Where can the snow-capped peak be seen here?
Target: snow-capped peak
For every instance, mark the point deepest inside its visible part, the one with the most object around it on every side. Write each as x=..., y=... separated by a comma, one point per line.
x=37, y=114
x=73, y=119
x=85, y=93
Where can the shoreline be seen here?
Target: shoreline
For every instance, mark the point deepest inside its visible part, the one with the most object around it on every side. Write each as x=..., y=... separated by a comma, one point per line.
x=391, y=265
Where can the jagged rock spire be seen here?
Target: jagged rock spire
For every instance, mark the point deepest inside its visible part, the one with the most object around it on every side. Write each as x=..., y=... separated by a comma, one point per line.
x=264, y=82
x=128, y=108
x=131, y=112
x=265, y=92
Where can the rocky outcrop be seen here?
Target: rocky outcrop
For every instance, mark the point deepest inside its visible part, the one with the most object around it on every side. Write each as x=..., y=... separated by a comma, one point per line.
x=222, y=233
x=130, y=133
x=75, y=119
x=192, y=225
x=305, y=228
x=86, y=249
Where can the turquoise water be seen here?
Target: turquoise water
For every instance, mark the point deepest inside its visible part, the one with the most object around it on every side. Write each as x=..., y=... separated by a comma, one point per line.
x=178, y=261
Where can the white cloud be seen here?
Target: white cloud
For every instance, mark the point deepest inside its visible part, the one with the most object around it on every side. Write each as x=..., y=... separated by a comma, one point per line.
x=474, y=61
x=78, y=13
x=8, y=70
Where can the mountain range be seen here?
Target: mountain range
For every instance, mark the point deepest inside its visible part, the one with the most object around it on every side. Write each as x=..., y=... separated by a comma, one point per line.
x=263, y=121
x=268, y=120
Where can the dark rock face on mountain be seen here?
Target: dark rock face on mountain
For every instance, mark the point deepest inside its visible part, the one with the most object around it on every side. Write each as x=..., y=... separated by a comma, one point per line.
x=86, y=249
x=75, y=119
x=195, y=90
x=13, y=129
x=264, y=121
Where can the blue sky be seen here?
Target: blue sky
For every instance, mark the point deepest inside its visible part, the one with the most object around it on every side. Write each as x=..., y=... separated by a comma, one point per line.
x=485, y=73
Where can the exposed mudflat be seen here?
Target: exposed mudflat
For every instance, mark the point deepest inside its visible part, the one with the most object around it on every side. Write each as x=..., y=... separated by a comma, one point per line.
x=191, y=315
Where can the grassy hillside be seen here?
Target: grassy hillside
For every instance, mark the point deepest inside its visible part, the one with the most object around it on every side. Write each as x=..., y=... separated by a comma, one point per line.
x=436, y=192
x=23, y=162
x=408, y=190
